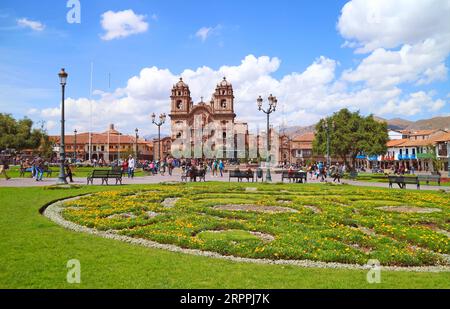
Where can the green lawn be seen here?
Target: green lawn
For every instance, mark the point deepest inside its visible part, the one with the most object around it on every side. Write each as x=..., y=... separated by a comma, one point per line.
x=34, y=252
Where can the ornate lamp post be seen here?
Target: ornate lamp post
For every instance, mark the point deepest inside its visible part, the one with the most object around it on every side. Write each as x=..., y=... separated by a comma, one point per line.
x=75, y=146
x=62, y=152
x=272, y=108
x=159, y=123
x=136, y=146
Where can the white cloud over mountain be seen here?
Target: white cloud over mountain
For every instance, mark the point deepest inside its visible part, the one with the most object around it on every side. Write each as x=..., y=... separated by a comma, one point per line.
x=406, y=44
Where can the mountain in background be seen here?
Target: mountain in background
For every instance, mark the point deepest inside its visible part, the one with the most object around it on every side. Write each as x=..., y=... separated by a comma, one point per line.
x=424, y=124
x=393, y=124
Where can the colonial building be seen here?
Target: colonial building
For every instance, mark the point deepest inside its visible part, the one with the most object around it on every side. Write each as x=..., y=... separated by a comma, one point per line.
x=413, y=149
x=210, y=118
x=107, y=146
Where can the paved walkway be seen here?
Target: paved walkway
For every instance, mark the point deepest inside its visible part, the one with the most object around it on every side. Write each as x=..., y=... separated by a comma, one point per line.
x=29, y=182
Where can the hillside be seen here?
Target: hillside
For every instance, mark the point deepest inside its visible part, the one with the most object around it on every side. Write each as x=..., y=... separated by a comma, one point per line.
x=424, y=124
x=394, y=124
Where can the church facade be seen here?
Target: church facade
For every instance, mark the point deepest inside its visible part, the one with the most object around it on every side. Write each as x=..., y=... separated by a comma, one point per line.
x=206, y=130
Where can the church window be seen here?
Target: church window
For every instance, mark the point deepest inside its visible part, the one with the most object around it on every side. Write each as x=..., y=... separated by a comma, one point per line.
x=223, y=104
x=179, y=104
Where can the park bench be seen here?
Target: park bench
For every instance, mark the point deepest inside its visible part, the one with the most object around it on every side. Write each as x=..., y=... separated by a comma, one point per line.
x=353, y=175
x=193, y=175
x=402, y=181
x=105, y=175
x=297, y=176
x=48, y=172
x=240, y=175
x=428, y=178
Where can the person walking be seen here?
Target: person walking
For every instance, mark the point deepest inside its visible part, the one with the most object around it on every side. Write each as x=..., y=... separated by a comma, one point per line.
x=131, y=166
x=170, y=166
x=221, y=168
x=337, y=173
x=69, y=173
x=3, y=168
x=39, y=169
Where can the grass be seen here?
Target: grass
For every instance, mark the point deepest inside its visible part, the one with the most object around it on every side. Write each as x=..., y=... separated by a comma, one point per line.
x=34, y=252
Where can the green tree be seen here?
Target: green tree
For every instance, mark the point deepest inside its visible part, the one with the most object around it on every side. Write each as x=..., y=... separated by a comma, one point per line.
x=436, y=163
x=351, y=134
x=20, y=135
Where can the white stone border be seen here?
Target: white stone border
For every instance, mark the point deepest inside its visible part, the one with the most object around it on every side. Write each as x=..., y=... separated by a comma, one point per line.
x=53, y=212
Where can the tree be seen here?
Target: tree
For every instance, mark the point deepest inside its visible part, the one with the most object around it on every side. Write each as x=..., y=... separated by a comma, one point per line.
x=20, y=135
x=436, y=163
x=351, y=134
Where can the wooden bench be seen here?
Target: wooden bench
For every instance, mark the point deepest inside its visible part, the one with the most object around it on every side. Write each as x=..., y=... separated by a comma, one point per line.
x=402, y=181
x=105, y=175
x=297, y=176
x=240, y=175
x=428, y=178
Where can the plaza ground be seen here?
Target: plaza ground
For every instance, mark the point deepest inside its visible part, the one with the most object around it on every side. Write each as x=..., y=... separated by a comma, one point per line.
x=34, y=252
x=80, y=179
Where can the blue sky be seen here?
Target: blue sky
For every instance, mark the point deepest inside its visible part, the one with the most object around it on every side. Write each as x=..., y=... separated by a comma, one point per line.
x=297, y=49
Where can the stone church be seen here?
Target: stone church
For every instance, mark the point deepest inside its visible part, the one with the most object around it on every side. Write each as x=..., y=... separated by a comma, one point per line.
x=218, y=114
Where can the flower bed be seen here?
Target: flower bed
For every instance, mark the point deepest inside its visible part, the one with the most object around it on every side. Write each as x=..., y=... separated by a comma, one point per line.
x=329, y=223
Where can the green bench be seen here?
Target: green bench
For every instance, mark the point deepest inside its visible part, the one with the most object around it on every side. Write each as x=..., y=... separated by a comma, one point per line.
x=240, y=175
x=105, y=175
x=402, y=181
x=297, y=176
x=428, y=178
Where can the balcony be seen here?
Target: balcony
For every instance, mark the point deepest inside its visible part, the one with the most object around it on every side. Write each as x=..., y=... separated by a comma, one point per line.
x=407, y=157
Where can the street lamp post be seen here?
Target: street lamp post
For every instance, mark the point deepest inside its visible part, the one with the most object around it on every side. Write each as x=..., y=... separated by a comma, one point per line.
x=75, y=146
x=272, y=108
x=159, y=123
x=448, y=158
x=62, y=152
x=136, y=146
x=327, y=128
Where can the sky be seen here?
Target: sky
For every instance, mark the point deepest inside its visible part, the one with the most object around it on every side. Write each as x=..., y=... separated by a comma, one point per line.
x=386, y=57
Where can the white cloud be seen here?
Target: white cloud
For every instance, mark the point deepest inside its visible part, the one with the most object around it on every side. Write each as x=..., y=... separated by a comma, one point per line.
x=375, y=85
x=122, y=24
x=205, y=32
x=27, y=23
x=416, y=103
x=422, y=63
x=408, y=43
x=304, y=97
x=392, y=23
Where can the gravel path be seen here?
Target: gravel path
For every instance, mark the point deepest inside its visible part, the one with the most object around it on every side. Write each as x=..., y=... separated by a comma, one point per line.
x=53, y=212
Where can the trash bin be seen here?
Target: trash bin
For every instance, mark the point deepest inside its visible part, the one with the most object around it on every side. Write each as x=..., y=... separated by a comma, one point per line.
x=259, y=173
